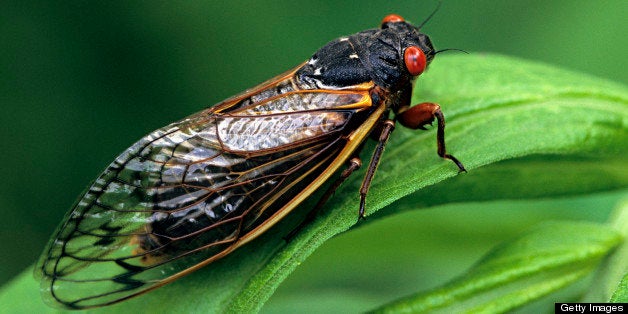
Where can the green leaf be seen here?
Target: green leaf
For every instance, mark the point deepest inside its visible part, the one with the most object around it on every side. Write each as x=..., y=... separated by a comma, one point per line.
x=497, y=108
x=621, y=293
x=541, y=261
x=611, y=282
x=418, y=250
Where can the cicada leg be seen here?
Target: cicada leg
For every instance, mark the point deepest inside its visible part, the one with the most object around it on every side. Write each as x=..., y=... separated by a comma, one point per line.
x=423, y=114
x=414, y=118
x=387, y=127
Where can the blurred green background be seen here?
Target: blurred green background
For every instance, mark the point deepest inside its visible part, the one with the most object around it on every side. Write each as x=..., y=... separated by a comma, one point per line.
x=81, y=81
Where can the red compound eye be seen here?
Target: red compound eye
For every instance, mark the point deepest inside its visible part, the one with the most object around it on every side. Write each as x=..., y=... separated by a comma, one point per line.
x=415, y=60
x=392, y=18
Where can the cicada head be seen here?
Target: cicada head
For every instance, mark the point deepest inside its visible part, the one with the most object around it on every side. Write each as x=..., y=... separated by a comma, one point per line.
x=399, y=53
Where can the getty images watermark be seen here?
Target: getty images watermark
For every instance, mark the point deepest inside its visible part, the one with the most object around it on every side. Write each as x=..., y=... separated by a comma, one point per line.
x=591, y=307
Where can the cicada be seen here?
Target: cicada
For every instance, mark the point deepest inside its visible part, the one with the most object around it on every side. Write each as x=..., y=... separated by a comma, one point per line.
x=192, y=192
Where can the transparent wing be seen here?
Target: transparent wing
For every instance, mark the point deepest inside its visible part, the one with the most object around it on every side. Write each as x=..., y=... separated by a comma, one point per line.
x=185, y=194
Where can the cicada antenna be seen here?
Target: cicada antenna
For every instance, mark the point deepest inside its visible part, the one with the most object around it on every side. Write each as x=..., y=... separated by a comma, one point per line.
x=431, y=15
x=450, y=49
